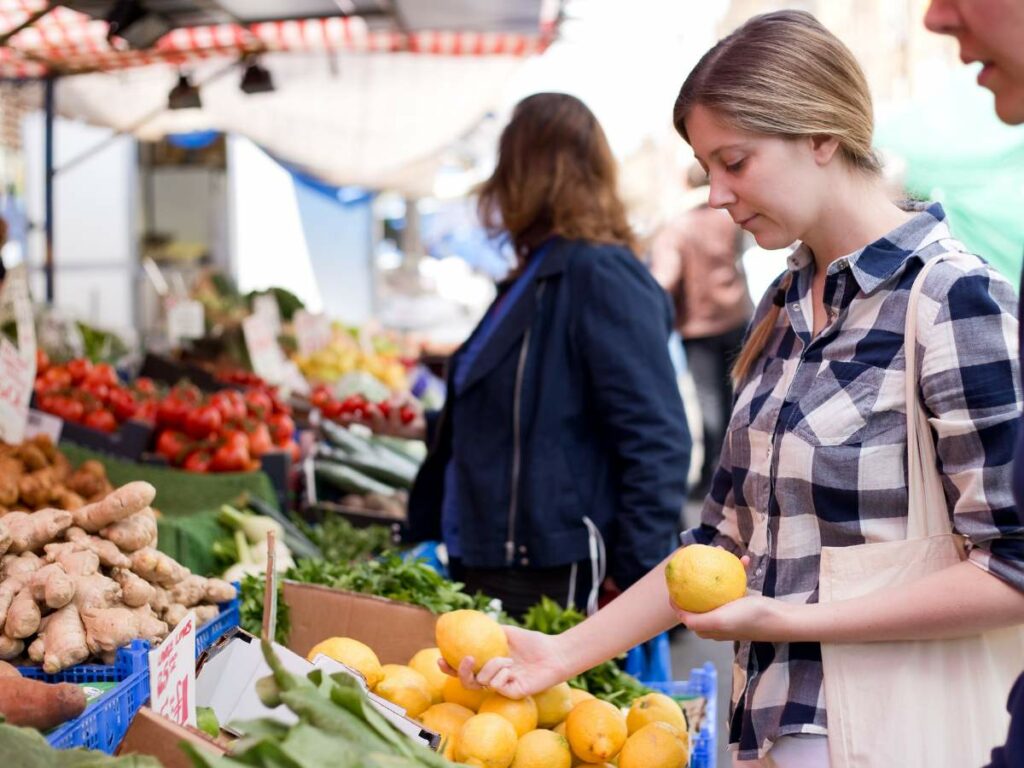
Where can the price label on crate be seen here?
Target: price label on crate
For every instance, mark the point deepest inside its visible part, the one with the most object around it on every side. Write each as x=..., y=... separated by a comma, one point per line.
x=312, y=331
x=264, y=353
x=265, y=305
x=40, y=423
x=185, y=320
x=16, y=377
x=172, y=674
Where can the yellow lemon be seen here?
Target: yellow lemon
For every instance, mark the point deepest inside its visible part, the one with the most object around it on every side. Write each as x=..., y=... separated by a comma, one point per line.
x=425, y=662
x=522, y=713
x=578, y=695
x=351, y=653
x=542, y=749
x=652, y=708
x=656, y=745
x=487, y=741
x=701, y=578
x=553, y=705
x=560, y=729
x=446, y=719
x=454, y=692
x=596, y=731
x=469, y=633
x=405, y=687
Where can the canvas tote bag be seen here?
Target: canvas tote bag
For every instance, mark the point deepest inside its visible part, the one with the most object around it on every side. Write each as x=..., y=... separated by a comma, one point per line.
x=929, y=703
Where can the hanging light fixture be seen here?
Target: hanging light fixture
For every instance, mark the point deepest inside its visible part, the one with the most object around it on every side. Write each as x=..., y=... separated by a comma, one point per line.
x=135, y=24
x=184, y=95
x=256, y=79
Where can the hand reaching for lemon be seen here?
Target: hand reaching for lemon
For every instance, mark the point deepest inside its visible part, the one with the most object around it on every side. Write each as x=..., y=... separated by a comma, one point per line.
x=534, y=663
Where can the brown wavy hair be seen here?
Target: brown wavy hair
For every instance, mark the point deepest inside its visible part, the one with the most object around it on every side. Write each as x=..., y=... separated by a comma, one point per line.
x=556, y=175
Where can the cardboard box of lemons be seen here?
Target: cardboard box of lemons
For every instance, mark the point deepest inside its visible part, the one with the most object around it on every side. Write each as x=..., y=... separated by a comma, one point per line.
x=522, y=713
x=351, y=653
x=596, y=731
x=656, y=745
x=653, y=708
x=453, y=691
x=469, y=633
x=701, y=578
x=425, y=662
x=446, y=719
x=486, y=741
x=553, y=705
x=405, y=687
x=542, y=748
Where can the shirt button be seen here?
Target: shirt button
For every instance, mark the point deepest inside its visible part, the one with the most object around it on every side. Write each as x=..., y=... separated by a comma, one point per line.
x=524, y=561
x=759, y=571
x=522, y=549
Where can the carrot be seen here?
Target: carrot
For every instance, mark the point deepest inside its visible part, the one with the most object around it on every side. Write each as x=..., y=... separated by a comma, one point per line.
x=40, y=705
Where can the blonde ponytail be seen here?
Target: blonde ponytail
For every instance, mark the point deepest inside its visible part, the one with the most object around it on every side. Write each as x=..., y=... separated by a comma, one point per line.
x=758, y=337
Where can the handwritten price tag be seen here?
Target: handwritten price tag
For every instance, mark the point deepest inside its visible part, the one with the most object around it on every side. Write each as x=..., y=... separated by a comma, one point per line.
x=312, y=332
x=172, y=674
x=265, y=305
x=16, y=376
x=264, y=353
x=185, y=320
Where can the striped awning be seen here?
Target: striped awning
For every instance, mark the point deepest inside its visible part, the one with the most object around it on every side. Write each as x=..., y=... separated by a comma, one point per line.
x=65, y=41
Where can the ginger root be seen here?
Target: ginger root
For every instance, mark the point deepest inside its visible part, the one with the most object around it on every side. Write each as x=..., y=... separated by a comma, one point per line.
x=23, y=616
x=108, y=553
x=156, y=567
x=73, y=558
x=35, y=488
x=116, y=506
x=135, y=590
x=220, y=591
x=134, y=532
x=10, y=648
x=30, y=531
x=89, y=481
x=107, y=629
x=205, y=613
x=189, y=591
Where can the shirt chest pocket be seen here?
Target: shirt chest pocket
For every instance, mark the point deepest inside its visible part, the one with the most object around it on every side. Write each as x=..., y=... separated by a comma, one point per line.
x=843, y=406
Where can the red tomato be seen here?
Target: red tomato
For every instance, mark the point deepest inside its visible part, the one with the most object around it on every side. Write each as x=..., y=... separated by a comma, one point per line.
x=197, y=461
x=146, y=412
x=122, y=403
x=332, y=410
x=259, y=440
x=102, y=373
x=67, y=409
x=202, y=422
x=258, y=403
x=407, y=413
x=145, y=386
x=42, y=362
x=101, y=419
x=282, y=427
x=79, y=370
x=231, y=408
x=172, y=445
x=232, y=456
x=172, y=412
x=97, y=389
x=385, y=408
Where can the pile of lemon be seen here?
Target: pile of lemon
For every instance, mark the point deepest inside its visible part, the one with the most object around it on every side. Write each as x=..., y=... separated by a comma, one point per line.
x=558, y=728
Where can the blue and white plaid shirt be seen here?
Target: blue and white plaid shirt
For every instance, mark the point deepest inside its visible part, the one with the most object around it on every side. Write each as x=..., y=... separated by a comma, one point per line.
x=816, y=450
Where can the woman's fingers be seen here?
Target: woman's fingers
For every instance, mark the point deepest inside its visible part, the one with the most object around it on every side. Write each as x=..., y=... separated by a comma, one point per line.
x=466, y=676
x=489, y=672
x=446, y=668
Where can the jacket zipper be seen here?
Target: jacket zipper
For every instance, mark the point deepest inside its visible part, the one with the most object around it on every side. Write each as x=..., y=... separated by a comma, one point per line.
x=513, y=504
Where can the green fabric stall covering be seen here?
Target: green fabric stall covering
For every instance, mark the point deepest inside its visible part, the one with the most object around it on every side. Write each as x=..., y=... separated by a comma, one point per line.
x=959, y=153
x=188, y=503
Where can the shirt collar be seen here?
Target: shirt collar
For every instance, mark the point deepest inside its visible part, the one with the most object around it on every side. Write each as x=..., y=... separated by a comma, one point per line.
x=875, y=263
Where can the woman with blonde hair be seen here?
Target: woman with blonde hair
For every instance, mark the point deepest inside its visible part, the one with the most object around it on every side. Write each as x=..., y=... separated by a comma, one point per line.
x=819, y=467
x=559, y=462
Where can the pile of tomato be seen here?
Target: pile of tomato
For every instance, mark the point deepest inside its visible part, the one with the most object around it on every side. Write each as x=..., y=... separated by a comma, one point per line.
x=88, y=394
x=355, y=407
x=227, y=431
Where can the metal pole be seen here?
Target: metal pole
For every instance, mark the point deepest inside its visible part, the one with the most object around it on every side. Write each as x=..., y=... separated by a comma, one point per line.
x=49, y=178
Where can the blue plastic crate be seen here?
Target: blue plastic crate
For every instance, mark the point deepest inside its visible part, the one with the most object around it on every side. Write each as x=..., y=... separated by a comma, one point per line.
x=703, y=682
x=105, y=720
x=213, y=630
x=651, y=660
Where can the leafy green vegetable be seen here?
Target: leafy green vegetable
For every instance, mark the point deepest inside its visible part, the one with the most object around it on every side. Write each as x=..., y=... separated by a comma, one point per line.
x=393, y=577
x=342, y=542
x=206, y=721
x=251, y=610
x=607, y=680
x=26, y=748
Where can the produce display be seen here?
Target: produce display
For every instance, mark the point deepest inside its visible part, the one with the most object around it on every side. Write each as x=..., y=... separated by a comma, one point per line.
x=556, y=728
x=26, y=748
x=35, y=475
x=81, y=582
x=345, y=355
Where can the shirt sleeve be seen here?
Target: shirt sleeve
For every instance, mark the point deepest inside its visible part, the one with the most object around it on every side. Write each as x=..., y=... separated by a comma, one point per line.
x=970, y=384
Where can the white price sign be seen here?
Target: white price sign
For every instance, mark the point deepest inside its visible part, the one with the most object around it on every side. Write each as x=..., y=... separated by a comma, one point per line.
x=267, y=359
x=265, y=305
x=312, y=331
x=40, y=423
x=16, y=377
x=185, y=320
x=172, y=674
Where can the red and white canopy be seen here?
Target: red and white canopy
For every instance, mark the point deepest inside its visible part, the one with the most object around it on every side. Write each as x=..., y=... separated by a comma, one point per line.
x=65, y=41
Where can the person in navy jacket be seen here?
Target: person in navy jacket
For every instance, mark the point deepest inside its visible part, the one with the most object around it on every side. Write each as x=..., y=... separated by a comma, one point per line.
x=560, y=459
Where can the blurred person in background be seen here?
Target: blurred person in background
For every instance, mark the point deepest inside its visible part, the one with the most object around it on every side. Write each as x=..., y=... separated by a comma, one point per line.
x=3, y=242
x=563, y=430
x=992, y=32
x=696, y=258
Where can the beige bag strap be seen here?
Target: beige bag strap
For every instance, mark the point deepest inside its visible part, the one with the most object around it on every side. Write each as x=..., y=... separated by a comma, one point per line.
x=926, y=514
